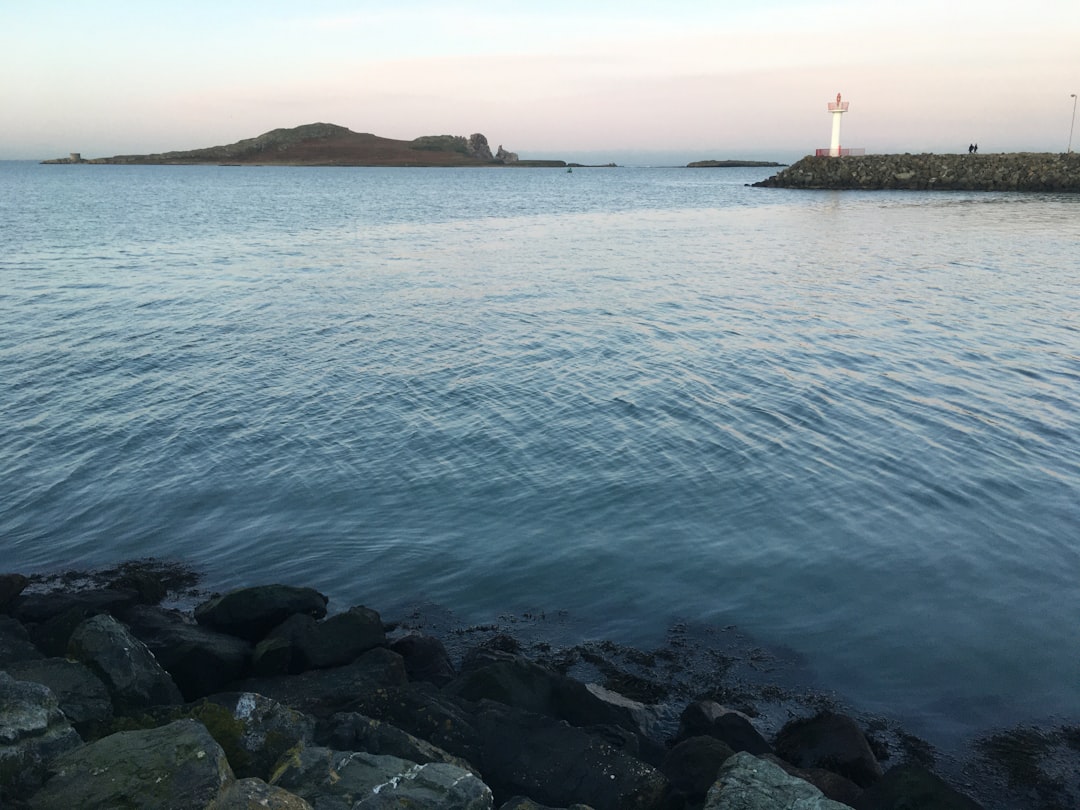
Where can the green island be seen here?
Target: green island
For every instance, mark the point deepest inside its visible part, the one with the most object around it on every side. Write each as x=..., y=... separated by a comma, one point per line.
x=331, y=145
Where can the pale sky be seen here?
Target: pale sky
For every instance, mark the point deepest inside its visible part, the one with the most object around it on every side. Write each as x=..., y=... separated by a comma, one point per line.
x=563, y=79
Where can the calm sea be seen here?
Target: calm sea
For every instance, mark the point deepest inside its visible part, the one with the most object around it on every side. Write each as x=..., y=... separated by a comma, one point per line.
x=847, y=422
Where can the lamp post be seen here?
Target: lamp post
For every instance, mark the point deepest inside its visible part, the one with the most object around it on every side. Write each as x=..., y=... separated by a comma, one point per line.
x=1073, y=124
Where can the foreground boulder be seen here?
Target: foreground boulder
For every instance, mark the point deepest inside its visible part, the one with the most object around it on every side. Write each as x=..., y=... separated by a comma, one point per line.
x=831, y=741
x=254, y=731
x=748, y=783
x=174, y=767
x=132, y=675
x=15, y=643
x=520, y=683
x=323, y=692
x=255, y=794
x=352, y=731
x=708, y=718
x=251, y=613
x=833, y=785
x=200, y=660
x=301, y=643
x=328, y=778
x=557, y=764
x=33, y=732
x=692, y=765
x=81, y=695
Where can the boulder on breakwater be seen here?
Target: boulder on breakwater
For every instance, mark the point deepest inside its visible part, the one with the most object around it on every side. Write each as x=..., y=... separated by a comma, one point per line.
x=1016, y=171
x=388, y=720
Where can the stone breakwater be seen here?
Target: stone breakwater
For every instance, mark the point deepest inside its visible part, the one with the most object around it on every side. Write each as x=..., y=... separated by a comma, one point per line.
x=260, y=698
x=1019, y=171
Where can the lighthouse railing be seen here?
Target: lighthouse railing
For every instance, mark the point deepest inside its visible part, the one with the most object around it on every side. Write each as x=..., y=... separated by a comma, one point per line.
x=838, y=106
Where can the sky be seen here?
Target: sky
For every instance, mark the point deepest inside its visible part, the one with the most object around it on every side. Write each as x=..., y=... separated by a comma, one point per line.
x=591, y=79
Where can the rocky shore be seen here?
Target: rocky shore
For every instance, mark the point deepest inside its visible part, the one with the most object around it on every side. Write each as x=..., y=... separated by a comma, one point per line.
x=129, y=688
x=1020, y=171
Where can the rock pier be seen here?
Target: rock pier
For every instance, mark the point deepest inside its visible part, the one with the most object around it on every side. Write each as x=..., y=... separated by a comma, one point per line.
x=1017, y=171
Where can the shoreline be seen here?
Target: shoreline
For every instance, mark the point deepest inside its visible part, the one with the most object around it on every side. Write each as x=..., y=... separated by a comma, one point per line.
x=727, y=668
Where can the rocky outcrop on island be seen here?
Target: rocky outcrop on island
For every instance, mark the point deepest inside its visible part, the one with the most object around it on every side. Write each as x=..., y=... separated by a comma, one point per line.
x=1018, y=171
x=326, y=145
x=261, y=697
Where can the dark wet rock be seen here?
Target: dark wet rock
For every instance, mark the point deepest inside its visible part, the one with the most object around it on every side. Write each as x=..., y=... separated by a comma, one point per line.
x=251, y=613
x=80, y=693
x=15, y=643
x=274, y=656
x=255, y=794
x=913, y=786
x=831, y=741
x=352, y=731
x=52, y=635
x=11, y=585
x=692, y=765
x=708, y=718
x=426, y=659
x=175, y=766
x=40, y=607
x=323, y=692
x=833, y=785
x=358, y=780
x=253, y=730
x=746, y=782
x=425, y=712
x=337, y=641
x=524, y=803
x=133, y=676
x=526, y=685
x=281, y=651
x=33, y=732
x=644, y=719
x=552, y=762
x=200, y=660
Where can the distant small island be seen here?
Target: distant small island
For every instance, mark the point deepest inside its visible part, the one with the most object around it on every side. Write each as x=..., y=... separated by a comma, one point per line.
x=331, y=145
x=732, y=164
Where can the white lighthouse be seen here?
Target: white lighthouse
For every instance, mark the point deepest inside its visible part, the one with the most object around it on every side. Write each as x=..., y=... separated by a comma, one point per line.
x=837, y=108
